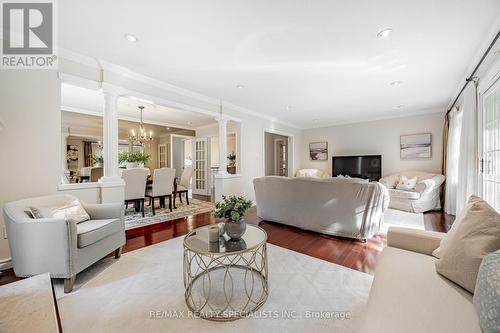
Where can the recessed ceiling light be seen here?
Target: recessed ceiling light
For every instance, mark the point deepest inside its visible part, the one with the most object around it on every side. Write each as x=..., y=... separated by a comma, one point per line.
x=396, y=83
x=131, y=38
x=189, y=123
x=240, y=86
x=288, y=108
x=400, y=106
x=384, y=33
x=168, y=128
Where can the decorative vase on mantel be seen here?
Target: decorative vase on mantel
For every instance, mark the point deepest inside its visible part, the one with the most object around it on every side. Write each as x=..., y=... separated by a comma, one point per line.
x=235, y=229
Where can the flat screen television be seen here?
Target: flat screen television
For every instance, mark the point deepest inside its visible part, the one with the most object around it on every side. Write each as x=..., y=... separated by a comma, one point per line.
x=364, y=166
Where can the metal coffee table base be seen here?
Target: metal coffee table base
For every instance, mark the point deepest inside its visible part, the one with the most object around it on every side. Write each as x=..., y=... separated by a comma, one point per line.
x=225, y=287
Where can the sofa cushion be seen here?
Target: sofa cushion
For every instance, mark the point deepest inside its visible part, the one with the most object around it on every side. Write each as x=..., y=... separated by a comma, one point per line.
x=92, y=231
x=487, y=293
x=407, y=295
x=407, y=183
x=402, y=194
x=475, y=234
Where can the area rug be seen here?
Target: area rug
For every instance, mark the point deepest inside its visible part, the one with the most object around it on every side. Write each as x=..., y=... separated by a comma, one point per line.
x=143, y=291
x=398, y=218
x=134, y=219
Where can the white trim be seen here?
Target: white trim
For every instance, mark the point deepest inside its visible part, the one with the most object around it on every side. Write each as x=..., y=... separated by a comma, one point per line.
x=77, y=186
x=79, y=81
x=373, y=119
x=6, y=264
x=228, y=175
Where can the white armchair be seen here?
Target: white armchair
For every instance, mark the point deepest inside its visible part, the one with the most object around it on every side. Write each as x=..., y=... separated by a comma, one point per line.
x=61, y=246
x=424, y=197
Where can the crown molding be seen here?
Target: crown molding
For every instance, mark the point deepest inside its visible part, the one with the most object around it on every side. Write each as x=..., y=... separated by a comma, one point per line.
x=127, y=73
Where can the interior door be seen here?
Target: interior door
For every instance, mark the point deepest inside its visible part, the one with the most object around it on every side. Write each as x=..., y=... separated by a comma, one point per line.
x=162, y=155
x=281, y=158
x=490, y=145
x=200, y=153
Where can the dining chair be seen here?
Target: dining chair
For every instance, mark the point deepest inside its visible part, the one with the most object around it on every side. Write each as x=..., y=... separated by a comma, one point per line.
x=162, y=187
x=135, y=187
x=95, y=174
x=185, y=183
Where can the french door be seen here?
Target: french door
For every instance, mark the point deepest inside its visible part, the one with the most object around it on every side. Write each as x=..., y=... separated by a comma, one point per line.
x=164, y=155
x=490, y=145
x=200, y=153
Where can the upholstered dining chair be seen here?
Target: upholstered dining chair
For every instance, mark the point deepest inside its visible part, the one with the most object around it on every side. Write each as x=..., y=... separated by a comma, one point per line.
x=185, y=183
x=135, y=186
x=95, y=174
x=58, y=244
x=163, y=186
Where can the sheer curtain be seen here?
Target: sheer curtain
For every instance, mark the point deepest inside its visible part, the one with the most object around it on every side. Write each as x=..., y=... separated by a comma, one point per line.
x=468, y=157
x=452, y=158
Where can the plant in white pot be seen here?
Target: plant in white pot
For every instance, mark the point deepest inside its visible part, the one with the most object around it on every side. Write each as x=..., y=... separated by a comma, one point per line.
x=232, y=209
x=135, y=159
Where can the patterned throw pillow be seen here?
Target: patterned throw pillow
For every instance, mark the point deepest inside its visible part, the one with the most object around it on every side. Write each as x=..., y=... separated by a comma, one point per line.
x=406, y=183
x=70, y=211
x=487, y=293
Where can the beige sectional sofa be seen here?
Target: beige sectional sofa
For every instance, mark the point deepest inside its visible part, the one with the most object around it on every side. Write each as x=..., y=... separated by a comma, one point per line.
x=343, y=207
x=408, y=295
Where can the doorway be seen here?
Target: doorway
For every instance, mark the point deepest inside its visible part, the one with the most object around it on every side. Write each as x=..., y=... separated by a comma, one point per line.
x=276, y=148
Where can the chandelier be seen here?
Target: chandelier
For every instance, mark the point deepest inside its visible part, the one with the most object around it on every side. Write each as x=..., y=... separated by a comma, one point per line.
x=141, y=135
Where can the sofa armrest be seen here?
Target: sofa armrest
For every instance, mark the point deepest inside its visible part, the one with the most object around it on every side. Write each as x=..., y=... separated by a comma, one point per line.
x=41, y=245
x=104, y=211
x=414, y=240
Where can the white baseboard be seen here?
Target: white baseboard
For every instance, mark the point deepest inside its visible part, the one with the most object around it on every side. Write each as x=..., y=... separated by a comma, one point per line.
x=5, y=264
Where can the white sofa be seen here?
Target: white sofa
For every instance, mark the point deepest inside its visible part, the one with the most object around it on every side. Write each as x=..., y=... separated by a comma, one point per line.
x=341, y=207
x=407, y=295
x=424, y=197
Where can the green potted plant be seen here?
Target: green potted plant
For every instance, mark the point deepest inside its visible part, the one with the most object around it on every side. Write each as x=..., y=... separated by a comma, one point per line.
x=97, y=160
x=133, y=159
x=232, y=209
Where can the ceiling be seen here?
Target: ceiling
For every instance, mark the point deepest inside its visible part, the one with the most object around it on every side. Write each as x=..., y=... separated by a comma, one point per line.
x=89, y=101
x=310, y=63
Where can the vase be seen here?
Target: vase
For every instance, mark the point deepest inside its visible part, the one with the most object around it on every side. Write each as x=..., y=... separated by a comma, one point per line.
x=132, y=165
x=235, y=229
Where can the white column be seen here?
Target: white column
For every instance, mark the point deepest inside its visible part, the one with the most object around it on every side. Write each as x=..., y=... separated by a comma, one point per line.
x=222, y=146
x=110, y=142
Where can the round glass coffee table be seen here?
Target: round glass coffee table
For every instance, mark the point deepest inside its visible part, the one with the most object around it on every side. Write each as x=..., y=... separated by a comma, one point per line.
x=225, y=280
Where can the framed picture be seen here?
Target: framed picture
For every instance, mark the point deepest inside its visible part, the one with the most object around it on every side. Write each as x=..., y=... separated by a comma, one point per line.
x=416, y=146
x=318, y=151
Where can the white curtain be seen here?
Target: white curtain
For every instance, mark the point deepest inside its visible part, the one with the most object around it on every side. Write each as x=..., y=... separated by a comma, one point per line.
x=468, y=157
x=452, y=158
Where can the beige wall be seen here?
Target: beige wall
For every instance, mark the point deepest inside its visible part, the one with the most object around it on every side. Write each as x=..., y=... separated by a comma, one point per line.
x=30, y=138
x=378, y=137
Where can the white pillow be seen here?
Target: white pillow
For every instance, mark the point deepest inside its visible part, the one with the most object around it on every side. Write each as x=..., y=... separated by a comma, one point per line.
x=71, y=211
x=406, y=183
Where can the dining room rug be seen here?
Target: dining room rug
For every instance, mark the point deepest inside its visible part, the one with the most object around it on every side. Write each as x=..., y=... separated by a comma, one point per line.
x=398, y=218
x=143, y=291
x=134, y=219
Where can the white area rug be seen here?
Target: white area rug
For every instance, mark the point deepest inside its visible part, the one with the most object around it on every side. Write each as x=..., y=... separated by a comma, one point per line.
x=119, y=295
x=134, y=219
x=398, y=218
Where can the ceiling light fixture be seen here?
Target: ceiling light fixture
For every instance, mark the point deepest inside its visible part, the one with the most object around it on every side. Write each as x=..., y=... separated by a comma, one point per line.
x=400, y=106
x=384, y=33
x=288, y=108
x=131, y=38
x=396, y=83
x=240, y=86
x=141, y=136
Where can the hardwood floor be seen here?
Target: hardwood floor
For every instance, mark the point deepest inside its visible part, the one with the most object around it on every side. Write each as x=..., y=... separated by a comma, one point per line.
x=342, y=251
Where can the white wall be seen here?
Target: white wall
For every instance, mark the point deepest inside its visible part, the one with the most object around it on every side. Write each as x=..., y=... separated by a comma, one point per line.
x=30, y=140
x=377, y=137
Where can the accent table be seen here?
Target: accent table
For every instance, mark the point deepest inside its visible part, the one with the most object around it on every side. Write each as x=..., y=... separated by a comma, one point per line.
x=227, y=279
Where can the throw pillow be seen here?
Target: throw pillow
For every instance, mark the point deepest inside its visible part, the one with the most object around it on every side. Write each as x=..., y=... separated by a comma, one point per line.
x=71, y=211
x=35, y=213
x=487, y=293
x=476, y=234
x=406, y=183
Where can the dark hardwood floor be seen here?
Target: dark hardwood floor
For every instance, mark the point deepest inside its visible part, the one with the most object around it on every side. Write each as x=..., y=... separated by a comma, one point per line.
x=342, y=251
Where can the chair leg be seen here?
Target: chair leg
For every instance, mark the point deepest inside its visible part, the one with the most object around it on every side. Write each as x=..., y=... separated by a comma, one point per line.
x=126, y=204
x=150, y=200
x=170, y=202
x=187, y=198
x=141, y=202
x=180, y=196
x=69, y=283
x=153, y=205
x=118, y=252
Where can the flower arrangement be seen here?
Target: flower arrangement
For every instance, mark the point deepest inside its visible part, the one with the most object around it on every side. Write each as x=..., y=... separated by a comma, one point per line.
x=133, y=157
x=232, y=208
x=98, y=159
x=232, y=159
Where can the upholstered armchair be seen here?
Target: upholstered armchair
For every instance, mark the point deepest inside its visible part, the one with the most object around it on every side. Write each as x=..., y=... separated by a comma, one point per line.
x=424, y=197
x=61, y=246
